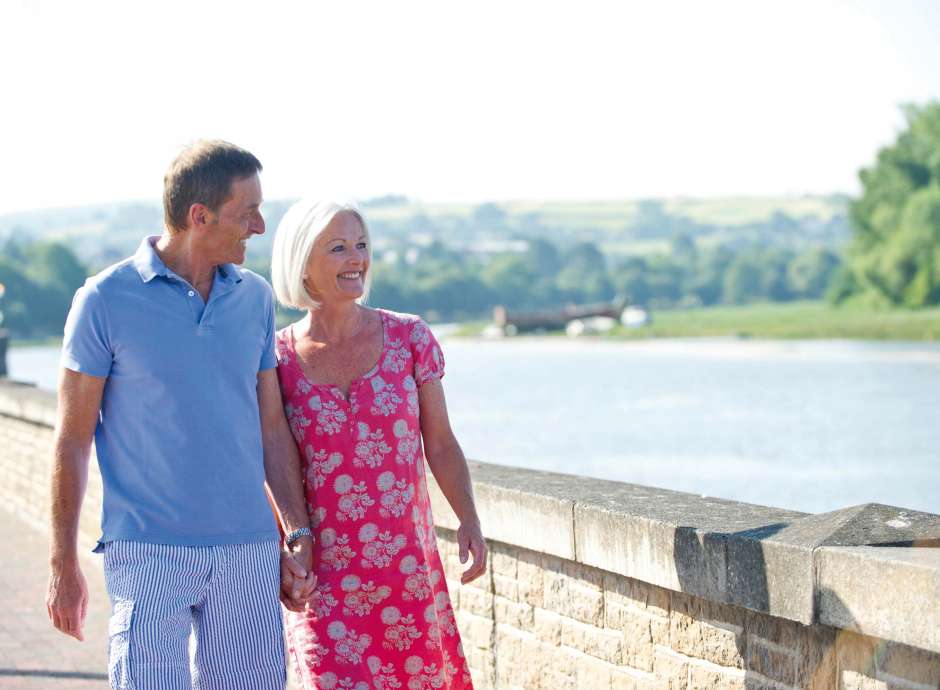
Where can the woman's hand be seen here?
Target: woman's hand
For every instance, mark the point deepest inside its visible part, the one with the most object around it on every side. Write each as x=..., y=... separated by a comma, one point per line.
x=298, y=581
x=470, y=542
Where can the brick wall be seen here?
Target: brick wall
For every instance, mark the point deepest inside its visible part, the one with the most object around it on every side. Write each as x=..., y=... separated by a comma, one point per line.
x=546, y=617
x=26, y=420
x=538, y=622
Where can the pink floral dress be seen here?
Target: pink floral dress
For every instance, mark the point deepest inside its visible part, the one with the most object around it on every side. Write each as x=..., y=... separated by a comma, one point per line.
x=381, y=618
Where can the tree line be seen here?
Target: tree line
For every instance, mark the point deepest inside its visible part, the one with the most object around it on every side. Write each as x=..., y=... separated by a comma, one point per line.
x=444, y=283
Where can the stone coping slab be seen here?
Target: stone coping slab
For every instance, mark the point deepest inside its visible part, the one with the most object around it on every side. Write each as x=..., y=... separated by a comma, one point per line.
x=25, y=401
x=887, y=592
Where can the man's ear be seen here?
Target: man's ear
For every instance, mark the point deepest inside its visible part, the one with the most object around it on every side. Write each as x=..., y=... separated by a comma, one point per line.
x=200, y=216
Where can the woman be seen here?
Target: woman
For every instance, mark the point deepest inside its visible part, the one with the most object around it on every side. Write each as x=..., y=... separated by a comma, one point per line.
x=361, y=391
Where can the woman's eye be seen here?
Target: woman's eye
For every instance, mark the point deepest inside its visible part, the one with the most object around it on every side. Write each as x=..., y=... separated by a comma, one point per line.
x=361, y=245
x=338, y=248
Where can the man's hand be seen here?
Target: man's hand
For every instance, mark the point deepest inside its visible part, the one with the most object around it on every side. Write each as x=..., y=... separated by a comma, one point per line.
x=67, y=598
x=298, y=581
x=470, y=541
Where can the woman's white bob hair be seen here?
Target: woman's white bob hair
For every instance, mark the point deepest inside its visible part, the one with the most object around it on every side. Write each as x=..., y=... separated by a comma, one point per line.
x=293, y=242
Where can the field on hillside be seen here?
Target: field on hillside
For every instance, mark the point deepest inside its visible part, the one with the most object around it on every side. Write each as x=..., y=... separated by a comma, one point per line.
x=616, y=214
x=102, y=234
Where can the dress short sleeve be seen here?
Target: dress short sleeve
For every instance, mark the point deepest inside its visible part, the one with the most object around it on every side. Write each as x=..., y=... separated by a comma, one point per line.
x=86, y=343
x=428, y=358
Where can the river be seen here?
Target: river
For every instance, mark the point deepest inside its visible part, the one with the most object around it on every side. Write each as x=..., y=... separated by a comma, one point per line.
x=807, y=425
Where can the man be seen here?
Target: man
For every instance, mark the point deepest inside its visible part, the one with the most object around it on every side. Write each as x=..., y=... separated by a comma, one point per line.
x=168, y=364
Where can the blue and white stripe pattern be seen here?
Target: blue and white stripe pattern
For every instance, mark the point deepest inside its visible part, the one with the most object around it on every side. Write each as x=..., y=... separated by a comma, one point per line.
x=225, y=596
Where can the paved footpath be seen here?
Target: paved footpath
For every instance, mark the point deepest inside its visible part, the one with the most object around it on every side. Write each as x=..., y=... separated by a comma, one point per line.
x=33, y=654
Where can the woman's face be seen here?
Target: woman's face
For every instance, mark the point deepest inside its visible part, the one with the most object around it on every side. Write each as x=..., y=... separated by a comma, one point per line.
x=338, y=263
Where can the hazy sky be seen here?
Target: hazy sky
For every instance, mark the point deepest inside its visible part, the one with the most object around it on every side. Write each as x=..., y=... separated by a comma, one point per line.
x=459, y=101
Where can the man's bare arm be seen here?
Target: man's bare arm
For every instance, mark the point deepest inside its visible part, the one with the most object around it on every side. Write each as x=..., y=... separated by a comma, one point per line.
x=284, y=480
x=77, y=416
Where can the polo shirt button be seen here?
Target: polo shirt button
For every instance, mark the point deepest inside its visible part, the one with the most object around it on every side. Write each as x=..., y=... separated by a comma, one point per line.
x=191, y=293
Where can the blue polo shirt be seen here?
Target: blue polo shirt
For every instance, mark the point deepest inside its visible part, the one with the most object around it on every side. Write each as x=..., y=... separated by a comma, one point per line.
x=178, y=438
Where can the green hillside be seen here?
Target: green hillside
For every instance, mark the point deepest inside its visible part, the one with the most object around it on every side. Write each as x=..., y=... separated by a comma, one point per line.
x=120, y=225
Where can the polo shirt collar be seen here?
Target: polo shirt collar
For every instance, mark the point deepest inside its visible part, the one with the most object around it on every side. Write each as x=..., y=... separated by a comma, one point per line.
x=149, y=265
x=228, y=273
x=146, y=261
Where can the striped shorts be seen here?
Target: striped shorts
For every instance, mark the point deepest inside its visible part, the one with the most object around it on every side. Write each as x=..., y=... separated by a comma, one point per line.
x=224, y=597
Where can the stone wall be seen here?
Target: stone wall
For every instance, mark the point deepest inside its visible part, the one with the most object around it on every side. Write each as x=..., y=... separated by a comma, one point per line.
x=27, y=416
x=540, y=622
x=594, y=584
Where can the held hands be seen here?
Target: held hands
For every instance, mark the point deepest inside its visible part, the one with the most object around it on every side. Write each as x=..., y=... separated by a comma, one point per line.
x=298, y=580
x=470, y=541
x=67, y=599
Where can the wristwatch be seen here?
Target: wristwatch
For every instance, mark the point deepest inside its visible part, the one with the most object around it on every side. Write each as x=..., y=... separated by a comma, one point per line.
x=297, y=534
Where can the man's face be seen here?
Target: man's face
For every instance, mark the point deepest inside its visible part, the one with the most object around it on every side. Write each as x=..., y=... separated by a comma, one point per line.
x=236, y=220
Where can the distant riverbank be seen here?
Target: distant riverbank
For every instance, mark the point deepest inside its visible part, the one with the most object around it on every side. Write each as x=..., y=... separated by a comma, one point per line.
x=784, y=321
x=791, y=321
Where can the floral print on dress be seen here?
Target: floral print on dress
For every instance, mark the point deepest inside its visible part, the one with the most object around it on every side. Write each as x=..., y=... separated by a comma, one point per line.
x=386, y=400
x=330, y=418
x=371, y=447
x=381, y=618
x=319, y=465
x=353, y=500
x=362, y=597
x=335, y=552
x=396, y=495
x=396, y=357
x=408, y=443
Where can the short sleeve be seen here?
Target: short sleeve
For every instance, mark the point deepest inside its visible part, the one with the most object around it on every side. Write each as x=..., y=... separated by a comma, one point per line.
x=428, y=358
x=86, y=344
x=268, y=358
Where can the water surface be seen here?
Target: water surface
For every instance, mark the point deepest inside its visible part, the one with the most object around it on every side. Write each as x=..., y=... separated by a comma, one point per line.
x=808, y=425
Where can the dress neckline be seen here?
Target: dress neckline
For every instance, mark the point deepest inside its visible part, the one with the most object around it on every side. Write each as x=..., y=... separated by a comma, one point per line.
x=332, y=387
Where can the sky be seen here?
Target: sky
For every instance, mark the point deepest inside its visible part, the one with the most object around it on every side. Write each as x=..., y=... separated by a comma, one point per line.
x=445, y=101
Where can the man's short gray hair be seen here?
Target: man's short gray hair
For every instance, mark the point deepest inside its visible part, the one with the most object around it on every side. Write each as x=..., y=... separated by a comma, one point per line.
x=293, y=241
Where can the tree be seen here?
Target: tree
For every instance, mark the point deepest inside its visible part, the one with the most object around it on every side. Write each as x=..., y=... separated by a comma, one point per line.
x=53, y=264
x=894, y=257
x=706, y=282
x=489, y=216
x=509, y=279
x=584, y=276
x=809, y=273
x=542, y=258
x=629, y=280
x=664, y=280
x=15, y=307
x=773, y=283
x=682, y=248
x=743, y=280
